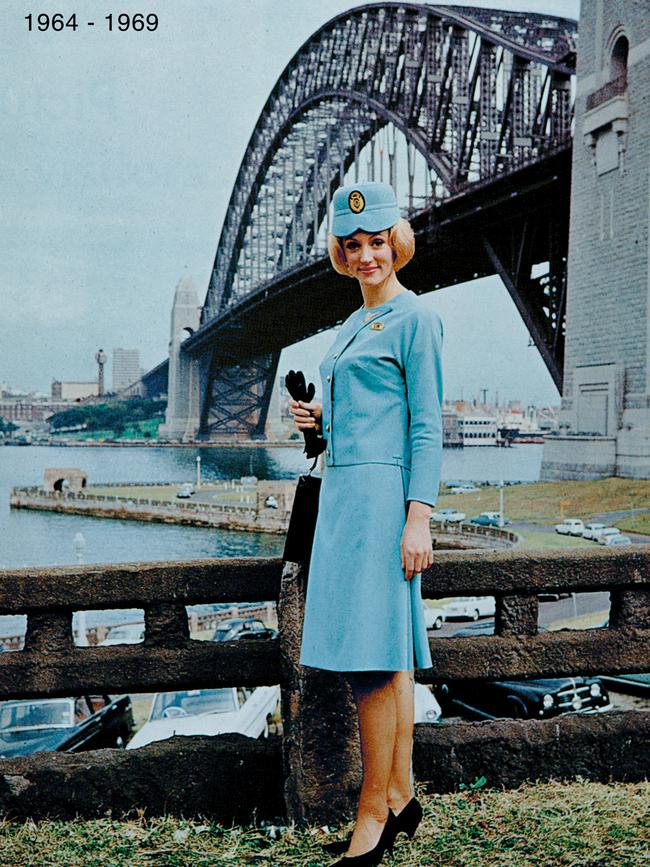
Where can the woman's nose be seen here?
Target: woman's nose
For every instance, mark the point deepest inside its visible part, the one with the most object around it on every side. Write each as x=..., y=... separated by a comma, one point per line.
x=366, y=254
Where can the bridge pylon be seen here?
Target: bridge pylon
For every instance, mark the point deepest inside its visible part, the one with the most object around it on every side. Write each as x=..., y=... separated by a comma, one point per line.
x=605, y=415
x=184, y=377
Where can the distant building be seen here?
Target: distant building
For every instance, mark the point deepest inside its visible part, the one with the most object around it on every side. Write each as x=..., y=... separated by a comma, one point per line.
x=71, y=391
x=126, y=368
x=29, y=408
x=478, y=430
x=451, y=435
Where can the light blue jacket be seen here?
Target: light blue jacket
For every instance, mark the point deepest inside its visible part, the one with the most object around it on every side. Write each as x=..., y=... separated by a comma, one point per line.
x=382, y=392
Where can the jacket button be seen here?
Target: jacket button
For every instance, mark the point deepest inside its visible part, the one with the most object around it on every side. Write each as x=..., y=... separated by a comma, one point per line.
x=327, y=428
x=329, y=453
x=328, y=377
x=336, y=355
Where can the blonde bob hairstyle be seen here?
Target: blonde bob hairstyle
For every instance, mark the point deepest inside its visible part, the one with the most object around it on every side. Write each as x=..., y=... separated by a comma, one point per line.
x=400, y=238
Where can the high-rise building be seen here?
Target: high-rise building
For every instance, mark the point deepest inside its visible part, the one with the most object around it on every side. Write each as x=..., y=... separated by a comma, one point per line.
x=126, y=368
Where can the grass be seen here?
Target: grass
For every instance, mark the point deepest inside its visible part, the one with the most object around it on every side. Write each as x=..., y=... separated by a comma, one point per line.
x=635, y=524
x=133, y=430
x=544, y=501
x=533, y=539
x=554, y=824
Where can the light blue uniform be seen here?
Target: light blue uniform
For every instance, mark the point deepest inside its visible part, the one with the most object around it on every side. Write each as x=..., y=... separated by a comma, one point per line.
x=382, y=417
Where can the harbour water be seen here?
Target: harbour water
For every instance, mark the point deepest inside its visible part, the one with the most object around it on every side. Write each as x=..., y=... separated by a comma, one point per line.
x=47, y=538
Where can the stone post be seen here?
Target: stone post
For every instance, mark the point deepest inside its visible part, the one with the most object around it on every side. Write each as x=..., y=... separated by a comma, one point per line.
x=321, y=756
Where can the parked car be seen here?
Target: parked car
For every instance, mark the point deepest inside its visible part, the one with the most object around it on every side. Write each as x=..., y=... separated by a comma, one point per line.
x=570, y=527
x=607, y=533
x=427, y=707
x=238, y=628
x=87, y=722
x=617, y=539
x=434, y=616
x=538, y=698
x=635, y=684
x=488, y=519
x=208, y=712
x=470, y=607
x=127, y=633
x=591, y=531
x=462, y=489
x=185, y=491
x=452, y=516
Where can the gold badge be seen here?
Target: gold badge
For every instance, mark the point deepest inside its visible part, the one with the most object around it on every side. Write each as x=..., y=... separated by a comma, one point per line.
x=377, y=326
x=356, y=202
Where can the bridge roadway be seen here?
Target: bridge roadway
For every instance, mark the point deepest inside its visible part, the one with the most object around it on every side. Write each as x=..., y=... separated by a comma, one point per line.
x=451, y=249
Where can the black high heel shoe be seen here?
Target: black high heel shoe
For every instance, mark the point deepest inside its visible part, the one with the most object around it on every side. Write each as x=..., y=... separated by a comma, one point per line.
x=407, y=821
x=374, y=856
x=408, y=818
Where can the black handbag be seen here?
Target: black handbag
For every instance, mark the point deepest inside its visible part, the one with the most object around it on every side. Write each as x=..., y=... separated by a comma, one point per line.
x=302, y=523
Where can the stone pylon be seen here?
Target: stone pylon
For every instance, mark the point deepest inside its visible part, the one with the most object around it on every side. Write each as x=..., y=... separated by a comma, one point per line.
x=183, y=389
x=605, y=415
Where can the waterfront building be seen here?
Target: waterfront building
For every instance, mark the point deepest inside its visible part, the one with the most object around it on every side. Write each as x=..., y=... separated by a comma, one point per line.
x=478, y=430
x=451, y=435
x=30, y=408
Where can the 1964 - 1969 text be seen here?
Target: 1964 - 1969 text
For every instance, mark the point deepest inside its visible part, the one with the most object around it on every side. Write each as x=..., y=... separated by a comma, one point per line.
x=66, y=22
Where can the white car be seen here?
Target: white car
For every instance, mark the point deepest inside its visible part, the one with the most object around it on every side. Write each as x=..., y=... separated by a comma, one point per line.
x=470, y=607
x=208, y=712
x=427, y=709
x=434, y=617
x=451, y=516
x=570, y=527
x=128, y=633
x=463, y=489
x=606, y=534
x=591, y=531
x=618, y=539
x=185, y=491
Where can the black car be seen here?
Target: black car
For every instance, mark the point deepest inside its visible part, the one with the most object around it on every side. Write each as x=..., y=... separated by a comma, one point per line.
x=537, y=698
x=240, y=628
x=88, y=722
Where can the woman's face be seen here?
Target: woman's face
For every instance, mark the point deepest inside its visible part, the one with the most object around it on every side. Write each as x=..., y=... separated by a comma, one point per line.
x=369, y=257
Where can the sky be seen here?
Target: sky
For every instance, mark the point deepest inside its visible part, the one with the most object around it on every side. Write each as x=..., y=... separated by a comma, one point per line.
x=118, y=155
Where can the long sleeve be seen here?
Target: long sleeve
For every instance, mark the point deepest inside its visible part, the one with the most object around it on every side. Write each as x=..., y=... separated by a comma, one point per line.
x=423, y=376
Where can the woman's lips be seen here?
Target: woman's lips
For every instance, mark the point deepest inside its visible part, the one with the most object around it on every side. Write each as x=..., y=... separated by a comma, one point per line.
x=367, y=270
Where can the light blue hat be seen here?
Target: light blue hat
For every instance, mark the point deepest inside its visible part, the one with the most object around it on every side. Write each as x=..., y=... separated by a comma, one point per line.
x=367, y=207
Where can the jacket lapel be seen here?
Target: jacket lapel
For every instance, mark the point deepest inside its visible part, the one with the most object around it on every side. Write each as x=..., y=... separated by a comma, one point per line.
x=349, y=337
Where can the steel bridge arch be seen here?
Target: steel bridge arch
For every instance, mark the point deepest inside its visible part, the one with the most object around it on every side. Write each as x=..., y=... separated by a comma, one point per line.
x=439, y=88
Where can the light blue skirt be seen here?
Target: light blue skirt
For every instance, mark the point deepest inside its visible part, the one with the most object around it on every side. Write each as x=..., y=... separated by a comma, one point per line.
x=360, y=612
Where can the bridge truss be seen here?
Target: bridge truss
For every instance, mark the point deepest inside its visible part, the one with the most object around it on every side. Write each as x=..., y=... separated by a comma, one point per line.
x=438, y=101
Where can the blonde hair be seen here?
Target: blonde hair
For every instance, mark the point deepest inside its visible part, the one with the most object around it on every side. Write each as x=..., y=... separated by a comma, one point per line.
x=400, y=238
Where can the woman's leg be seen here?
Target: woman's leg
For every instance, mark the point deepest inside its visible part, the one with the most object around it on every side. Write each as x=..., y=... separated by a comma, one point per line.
x=375, y=699
x=400, y=787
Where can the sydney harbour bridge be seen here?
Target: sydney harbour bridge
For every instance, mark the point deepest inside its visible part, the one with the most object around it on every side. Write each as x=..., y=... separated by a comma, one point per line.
x=467, y=112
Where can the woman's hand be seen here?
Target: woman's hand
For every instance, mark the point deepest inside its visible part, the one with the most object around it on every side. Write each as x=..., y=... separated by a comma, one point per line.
x=416, y=546
x=307, y=416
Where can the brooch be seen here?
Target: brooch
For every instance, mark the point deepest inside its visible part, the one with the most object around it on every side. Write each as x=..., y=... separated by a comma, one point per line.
x=377, y=326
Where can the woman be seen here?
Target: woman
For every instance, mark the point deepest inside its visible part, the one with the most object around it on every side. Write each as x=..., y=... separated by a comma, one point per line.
x=381, y=416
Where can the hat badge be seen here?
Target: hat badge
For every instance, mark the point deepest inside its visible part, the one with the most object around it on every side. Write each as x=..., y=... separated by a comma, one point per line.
x=356, y=201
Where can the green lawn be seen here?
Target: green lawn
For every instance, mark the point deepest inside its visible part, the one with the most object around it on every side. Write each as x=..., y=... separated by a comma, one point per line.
x=544, y=501
x=551, y=824
x=540, y=540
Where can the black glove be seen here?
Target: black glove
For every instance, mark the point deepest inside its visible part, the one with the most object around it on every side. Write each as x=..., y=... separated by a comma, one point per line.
x=299, y=390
